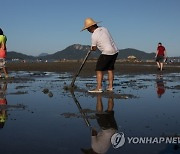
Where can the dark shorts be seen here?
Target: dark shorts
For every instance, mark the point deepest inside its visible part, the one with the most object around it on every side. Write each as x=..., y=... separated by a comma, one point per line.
x=160, y=58
x=106, y=62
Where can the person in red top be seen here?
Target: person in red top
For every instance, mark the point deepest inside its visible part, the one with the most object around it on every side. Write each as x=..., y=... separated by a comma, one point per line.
x=160, y=56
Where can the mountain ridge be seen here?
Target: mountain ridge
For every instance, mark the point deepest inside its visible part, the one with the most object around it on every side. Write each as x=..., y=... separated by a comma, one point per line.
x=78, y=51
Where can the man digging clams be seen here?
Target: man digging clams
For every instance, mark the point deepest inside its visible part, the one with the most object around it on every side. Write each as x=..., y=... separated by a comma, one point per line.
x=102, y=40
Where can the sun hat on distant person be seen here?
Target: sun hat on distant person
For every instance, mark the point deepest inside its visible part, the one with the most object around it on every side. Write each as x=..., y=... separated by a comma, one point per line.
x=88, y=23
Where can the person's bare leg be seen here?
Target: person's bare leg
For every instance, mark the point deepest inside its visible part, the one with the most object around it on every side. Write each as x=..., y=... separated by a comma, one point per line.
x=158, y=65
x=161, y=66
x=110, y=78
x=99, y=78
x=1, y=69
x=5, y=71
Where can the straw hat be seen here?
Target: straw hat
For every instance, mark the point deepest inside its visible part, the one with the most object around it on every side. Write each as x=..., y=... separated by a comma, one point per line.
x=88, y=23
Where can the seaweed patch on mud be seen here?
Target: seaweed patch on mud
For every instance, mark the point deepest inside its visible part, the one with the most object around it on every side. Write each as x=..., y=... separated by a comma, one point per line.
x=78, y=115
x=113, y=95
x=21, y=87
x=48, y=92
x=19, y=93
x=177, y=87
x=17, y=80
x=106, y=94
x=18, y=106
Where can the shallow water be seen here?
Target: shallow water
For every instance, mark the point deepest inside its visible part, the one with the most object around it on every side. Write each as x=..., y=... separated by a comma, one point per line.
x=42, y=117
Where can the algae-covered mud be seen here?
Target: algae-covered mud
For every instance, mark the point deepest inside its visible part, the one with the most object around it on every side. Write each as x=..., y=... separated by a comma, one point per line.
x=39, y=115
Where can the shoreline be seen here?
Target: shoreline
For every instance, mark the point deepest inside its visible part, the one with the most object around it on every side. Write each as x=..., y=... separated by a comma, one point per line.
x=89, y=67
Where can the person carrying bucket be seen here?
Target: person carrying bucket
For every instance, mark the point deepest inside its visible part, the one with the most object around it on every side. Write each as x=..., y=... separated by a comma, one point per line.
x=102, y=40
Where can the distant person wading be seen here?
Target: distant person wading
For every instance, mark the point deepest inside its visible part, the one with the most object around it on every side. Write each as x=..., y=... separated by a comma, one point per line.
x=160, y=56
x=102, y=40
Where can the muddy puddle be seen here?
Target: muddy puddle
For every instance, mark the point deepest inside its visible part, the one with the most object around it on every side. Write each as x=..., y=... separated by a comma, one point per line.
x=38, y=115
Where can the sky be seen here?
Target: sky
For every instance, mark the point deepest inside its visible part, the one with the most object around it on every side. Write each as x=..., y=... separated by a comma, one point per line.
x=47, y=26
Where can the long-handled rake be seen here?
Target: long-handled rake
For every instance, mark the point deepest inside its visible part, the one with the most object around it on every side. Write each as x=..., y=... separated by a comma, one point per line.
x=75, y=76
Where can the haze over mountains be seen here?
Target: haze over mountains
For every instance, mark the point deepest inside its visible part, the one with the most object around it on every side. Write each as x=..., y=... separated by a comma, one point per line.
x=77, y=51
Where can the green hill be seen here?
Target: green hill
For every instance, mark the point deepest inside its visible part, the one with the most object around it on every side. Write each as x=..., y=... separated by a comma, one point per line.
x=77, y=51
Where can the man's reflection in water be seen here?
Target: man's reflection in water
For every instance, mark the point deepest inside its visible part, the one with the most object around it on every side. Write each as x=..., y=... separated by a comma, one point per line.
x=3, y=101
x=101, y=140
x=160, y=85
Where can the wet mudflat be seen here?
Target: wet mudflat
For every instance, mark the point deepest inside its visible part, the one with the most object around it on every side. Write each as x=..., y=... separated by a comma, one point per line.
x=39, y=115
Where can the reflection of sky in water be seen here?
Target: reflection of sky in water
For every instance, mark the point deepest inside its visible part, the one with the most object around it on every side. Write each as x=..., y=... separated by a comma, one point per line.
x=41, y=127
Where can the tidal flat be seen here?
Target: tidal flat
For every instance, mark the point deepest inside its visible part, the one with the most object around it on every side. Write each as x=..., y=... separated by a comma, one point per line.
x=39, y=116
